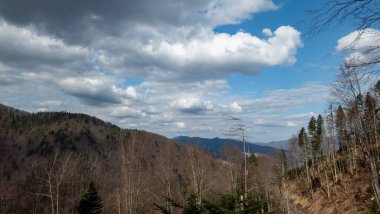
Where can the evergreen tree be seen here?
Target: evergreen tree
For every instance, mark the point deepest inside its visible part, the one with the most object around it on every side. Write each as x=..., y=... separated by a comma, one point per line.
x=312, y=129
x=318, y=137
x=90, y=202
x=377, y=88
x=192, y=206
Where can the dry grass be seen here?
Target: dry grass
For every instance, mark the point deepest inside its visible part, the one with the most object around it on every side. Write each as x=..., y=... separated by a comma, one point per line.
x=349, y=195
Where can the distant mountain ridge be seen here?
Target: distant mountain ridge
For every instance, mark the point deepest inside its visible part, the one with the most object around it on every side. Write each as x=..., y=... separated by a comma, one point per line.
x=281, y=144
x=214, y=145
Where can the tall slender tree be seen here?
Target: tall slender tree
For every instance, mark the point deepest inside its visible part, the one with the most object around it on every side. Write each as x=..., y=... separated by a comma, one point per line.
x=340, y=125
x=319, y=135
x=302, y=142
x=312, y=129
x=372, y=142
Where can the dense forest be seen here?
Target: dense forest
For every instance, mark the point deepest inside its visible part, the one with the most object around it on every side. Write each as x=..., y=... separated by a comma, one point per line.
x=48, y=161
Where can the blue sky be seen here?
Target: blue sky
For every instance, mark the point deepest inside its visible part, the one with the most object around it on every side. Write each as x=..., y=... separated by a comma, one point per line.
x=177, y=68
x=316, y=60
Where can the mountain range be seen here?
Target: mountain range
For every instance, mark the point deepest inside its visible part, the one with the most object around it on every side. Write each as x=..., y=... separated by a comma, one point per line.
x=215, y=145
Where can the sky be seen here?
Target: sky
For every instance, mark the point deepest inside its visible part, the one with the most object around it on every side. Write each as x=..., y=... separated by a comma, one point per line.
x=171, y=67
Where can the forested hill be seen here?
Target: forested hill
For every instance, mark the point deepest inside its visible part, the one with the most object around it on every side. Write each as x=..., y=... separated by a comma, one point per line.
x=47, y=158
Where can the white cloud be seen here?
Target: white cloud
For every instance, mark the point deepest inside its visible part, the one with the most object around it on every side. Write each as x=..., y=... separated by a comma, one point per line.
x=223, y=12
x=209, y=55
x=48, y=103
x=26, y=46
x=180, y=125
x=191, y=105
x=80, y=63
x=124, y=111
x=41, y=109
x=96, y=89
x=291, y=124
x=284, y=99
x=360, y=46
x=129, y=92
x=267, y=32
x=359, y=39
x=235, y=107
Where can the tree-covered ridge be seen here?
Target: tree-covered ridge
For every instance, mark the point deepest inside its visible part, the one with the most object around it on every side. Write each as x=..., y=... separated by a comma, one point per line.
x=48, y=158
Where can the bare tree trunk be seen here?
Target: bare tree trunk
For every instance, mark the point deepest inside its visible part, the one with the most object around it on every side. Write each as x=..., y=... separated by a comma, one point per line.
x=132, y=176
x=245, y=167
x=327, y=185
x=198, y=172
x=306, y=163
x=375, y=178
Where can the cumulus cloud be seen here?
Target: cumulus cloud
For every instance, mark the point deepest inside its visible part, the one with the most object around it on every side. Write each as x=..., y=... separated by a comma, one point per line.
x=215, y=55
x=124, y=111
x=360, y=46
x=96, y=89
x=190, y=105
x=267, y=32
x=90, y=90
x=171, y=40
x=81, y=20
x=221, y=12
x=129, y=92
x=359, y=39
x=291, y=124
x=235, y=107
x=181, y=125
x=77, y=55
x=24, y=47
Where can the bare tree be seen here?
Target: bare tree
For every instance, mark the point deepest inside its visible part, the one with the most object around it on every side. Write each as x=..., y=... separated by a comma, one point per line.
x=200, y=174
x=361, y=117
x=364, y=15
x=132, y=176
x=239, y=129
x=232, y=157
x=348, y=84
x=56, y=172
x=331, y=149
x=295, y=152
x=302, y=142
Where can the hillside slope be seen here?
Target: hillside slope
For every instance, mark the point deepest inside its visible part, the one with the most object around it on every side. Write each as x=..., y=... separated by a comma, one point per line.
x=48, y=158
x=350, y=193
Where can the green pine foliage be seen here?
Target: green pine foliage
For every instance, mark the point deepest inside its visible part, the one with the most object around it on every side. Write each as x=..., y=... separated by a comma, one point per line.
x=192, y=207
x=90, y=202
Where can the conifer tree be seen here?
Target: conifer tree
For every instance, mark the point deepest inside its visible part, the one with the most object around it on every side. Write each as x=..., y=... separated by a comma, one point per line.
x=312, y=129
x=90, y=202
x=192, y=206
x=319, y=137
